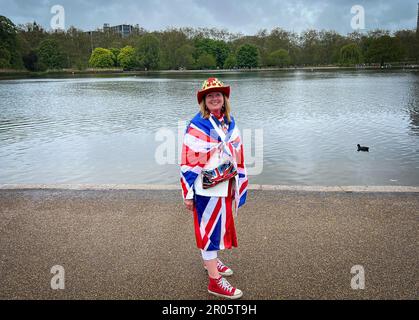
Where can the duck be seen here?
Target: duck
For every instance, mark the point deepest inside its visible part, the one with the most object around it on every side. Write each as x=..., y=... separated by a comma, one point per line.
x=366, y=149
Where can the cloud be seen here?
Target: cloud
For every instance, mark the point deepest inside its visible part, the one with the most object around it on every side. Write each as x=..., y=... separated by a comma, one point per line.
x=246, y=16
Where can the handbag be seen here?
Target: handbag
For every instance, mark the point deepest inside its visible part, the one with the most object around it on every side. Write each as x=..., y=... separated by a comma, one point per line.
x=212, y=177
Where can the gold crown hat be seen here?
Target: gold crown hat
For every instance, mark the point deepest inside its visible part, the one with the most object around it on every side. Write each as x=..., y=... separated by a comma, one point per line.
x=211, y=85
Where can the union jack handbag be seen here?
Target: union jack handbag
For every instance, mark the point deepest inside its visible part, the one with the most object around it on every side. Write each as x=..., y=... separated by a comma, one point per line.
x=223, y=172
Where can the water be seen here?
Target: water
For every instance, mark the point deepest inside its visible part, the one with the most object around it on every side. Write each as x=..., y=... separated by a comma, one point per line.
x=103, y=130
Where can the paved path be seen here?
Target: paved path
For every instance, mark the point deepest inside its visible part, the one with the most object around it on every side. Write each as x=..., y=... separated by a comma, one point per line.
x=139, y=244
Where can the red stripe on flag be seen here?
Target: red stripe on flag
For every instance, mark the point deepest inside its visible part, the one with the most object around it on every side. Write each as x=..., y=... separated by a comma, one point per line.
x=227, y=234
x=240, y=158
x=200, y=135
x=244, y=186
x=230, y=237
x=192, y=158
x=184, y=188
x=198, y=237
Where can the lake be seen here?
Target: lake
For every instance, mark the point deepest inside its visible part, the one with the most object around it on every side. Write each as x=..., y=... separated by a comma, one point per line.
x=299, y=127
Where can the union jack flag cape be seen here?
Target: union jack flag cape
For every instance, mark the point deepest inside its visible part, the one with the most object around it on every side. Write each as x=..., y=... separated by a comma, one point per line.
x=203, y=138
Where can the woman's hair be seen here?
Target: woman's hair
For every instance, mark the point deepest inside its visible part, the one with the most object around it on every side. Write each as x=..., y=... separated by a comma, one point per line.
x=225, y=109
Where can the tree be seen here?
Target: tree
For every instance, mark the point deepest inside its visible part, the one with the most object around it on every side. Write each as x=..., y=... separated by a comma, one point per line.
x=206, y=61
x=217, y=48
x=384, y=49
x=198, y=47
x=127, y=58
x=50, y=55
x=278, y=39
x=221, y=53
x=148, y=51
x=30, y=61
x=9, y=50
x=409, y=40
x=330, y=43
x=184, y=57
x=115, y=52
x=101, y=58
x=247, y=56
x=231, y=62
x=310, y=47
x=279, y=58
x=350, y=54
x=172, y=40
x=33, y=34
x=4, y=58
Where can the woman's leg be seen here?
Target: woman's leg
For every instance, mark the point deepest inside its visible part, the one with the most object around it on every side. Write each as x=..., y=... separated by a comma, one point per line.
x=210, y=261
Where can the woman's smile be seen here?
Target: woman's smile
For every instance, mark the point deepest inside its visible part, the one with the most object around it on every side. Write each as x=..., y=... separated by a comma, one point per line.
x=214, y=101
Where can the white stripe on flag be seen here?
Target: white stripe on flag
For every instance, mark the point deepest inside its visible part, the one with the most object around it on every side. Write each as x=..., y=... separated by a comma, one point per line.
x=197, y=144
x=206, y=216
x=223, y=222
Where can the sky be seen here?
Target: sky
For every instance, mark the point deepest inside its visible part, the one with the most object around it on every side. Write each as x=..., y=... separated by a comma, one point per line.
x=237, y=16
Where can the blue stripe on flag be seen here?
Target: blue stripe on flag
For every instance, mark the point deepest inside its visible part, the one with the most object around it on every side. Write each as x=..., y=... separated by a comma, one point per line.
x=243, y=199
x=201, y=203
x=215, y=237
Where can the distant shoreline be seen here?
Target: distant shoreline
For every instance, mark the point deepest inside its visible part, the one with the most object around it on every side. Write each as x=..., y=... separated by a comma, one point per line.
x=68, y=73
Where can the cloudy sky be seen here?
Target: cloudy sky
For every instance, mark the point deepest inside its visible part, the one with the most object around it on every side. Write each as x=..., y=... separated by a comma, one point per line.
x=245, y=16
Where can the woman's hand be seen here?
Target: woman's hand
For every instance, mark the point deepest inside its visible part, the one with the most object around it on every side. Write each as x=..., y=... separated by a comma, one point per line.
x=188, y=204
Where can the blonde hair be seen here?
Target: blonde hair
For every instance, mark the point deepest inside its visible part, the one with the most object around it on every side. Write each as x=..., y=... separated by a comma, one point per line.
x=225, y=109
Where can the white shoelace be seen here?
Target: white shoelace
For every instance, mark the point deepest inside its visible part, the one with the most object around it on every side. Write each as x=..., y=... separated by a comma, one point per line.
x=225, y=284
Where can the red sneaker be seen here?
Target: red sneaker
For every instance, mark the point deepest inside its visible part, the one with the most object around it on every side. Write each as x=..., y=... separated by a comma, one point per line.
x=223, y=269
x=222, y=288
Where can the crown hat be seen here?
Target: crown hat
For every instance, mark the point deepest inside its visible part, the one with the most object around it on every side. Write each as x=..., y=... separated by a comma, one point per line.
x=212, y=85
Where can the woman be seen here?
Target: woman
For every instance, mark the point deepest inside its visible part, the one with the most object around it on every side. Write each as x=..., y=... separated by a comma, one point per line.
x=214, y=181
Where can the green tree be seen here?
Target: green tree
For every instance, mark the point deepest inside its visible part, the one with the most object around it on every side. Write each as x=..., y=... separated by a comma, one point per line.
x=127, y=58
x=409, y=40
x=206, y=61
x=10, y=56
x=171, y=42
x=350, y=54
x=50, y=55
x=30, y=61
x=231, y=62
x=310, y=47
x=217, y=48
x=148, y=51
x=329, y=45
x=115, y=52
x=184, y=57
x=279, y=58
x=221, y=53
x=4, y=58
x=32, y=34
x=101, y=58
x=247, y=56
x=20, y=46
x=384, y=49
x=280, y=39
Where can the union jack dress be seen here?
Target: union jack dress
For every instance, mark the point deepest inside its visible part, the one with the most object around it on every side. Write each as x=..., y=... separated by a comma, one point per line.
x=213, y=216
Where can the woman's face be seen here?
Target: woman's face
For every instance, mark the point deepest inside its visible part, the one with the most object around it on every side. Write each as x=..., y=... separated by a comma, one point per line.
x=214, y=102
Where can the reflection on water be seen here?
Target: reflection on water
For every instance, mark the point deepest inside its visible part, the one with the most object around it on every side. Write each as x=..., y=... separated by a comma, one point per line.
x=102, y=130
x=412, y=102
